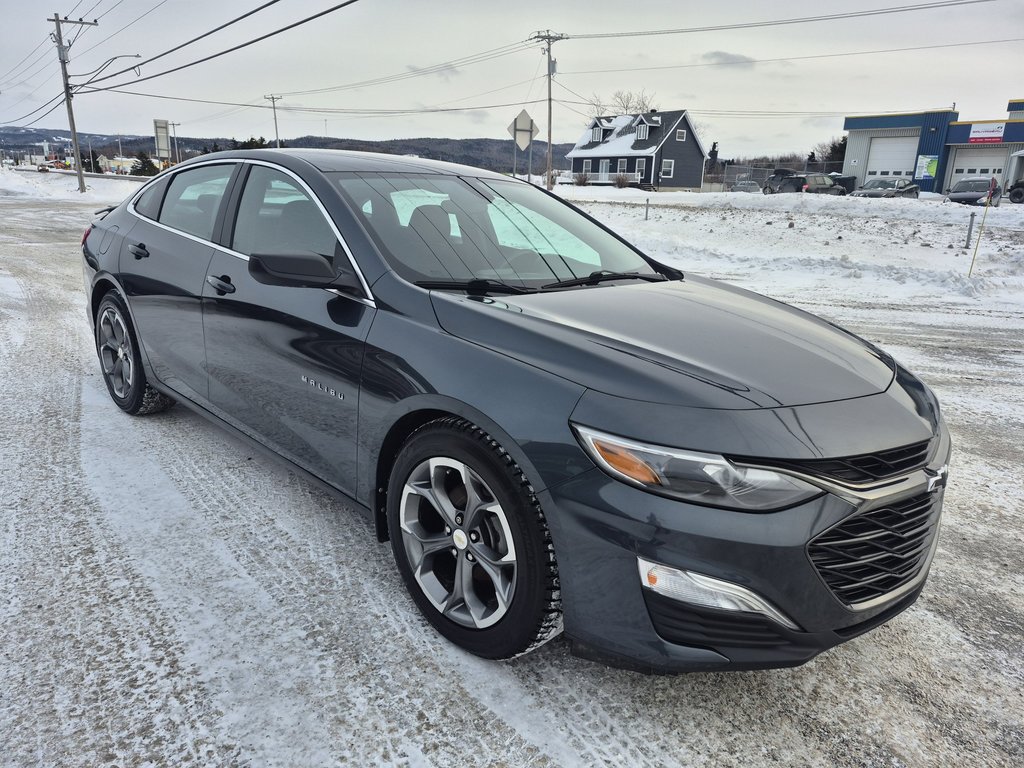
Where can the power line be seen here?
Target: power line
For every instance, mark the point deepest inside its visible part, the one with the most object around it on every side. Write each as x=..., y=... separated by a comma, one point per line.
x=237, y=47
x=317, y=110
x=136, y=20
x=109, y=9
x=27, y=56
x=58, y=97
x=475, y=58
x=25, y=78
x=187, y=43
x=743, y=62
x=782, y=22
x=54, y=108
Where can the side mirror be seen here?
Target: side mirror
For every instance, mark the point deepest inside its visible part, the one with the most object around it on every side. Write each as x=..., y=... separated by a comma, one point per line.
x=302, y=269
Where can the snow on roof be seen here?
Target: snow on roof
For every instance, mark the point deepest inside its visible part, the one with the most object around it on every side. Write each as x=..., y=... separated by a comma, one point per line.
x=619, y=143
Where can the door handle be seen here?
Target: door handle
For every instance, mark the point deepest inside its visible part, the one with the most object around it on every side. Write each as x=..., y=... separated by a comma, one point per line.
x=138, y=250
x=221, y=284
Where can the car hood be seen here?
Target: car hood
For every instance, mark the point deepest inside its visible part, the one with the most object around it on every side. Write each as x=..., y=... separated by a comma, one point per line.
x=873, y=193
x=692, y=342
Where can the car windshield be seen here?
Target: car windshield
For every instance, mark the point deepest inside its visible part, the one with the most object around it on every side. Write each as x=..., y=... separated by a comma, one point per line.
x=432, y=227
x=972, y=185
x=881, y=184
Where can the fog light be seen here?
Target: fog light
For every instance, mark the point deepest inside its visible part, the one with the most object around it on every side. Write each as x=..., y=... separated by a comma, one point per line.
x=707, y=592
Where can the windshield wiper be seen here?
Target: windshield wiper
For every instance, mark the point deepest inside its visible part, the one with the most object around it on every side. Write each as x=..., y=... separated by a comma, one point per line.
x=601, y=276
x=477, y=287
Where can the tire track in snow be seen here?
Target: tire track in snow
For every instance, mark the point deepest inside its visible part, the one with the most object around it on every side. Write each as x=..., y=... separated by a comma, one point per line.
x=323, y=561
x=81, y=686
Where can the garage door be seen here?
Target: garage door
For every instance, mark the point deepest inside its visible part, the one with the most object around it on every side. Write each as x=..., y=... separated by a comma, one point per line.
x=892, y=156
x=978, y=162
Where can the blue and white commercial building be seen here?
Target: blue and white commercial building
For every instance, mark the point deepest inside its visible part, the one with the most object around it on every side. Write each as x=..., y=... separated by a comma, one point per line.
x=934, y=148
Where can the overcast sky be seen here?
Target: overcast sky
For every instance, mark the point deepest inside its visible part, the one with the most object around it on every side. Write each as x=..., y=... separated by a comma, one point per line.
x=710, y=73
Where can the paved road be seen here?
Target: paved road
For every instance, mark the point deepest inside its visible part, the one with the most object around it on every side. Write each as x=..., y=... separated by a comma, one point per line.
x=167, y=598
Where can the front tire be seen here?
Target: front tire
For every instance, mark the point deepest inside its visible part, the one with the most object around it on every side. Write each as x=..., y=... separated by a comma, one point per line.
x=1017, y=195
x=121, y=361
x=471, y=541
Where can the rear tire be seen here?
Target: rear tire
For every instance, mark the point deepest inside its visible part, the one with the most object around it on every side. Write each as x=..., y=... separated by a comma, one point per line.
x=121, y=361
x=471, y=541
x=1017, y=195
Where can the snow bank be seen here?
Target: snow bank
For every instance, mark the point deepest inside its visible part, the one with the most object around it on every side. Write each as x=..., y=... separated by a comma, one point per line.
x=63, y=185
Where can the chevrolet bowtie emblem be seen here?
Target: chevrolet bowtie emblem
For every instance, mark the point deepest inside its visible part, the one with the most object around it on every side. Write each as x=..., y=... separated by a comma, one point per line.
x=938, y=479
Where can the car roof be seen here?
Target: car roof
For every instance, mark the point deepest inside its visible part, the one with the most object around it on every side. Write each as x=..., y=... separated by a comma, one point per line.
x=345, y=160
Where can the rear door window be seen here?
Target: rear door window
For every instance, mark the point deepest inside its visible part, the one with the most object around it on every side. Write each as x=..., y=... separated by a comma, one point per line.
x=194, y=198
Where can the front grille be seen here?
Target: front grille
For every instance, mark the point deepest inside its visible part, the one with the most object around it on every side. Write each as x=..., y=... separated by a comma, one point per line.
x=871, y=554
x=863, y=468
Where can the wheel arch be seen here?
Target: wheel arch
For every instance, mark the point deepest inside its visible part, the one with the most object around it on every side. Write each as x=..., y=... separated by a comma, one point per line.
x=102, y=284
x=414, y=414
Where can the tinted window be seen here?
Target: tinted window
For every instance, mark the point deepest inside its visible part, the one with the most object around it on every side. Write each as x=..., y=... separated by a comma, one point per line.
x=434, y=227
x=148, y=204
x=193, y=199
x=277, y=215
x=974, y=185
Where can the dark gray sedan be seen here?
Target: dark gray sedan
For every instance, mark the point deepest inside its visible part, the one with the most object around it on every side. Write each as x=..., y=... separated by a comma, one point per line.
x=976, y=190
x=888, y=187
x=554, y=430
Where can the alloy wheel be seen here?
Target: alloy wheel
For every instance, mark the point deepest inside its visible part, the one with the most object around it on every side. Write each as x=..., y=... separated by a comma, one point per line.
x=115, y=348
x=458, y=541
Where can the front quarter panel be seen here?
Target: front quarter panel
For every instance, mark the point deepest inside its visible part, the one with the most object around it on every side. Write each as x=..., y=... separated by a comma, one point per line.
x=411, y=366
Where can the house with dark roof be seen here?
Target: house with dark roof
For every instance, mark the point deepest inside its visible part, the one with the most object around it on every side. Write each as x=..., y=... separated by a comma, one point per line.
x=654, y=150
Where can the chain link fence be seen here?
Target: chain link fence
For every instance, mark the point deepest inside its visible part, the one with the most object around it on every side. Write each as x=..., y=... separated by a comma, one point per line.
x=725, y=176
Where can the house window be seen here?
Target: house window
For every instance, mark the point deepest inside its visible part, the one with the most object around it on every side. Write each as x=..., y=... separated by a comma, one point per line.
x=667, y=167
x=586, y=167
x=641, y=167
x=622, y=165
x=641, y=131
x=681, y=135
x=596, y=134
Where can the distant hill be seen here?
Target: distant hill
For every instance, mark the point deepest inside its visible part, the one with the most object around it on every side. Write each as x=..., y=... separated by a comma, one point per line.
x=492, y=154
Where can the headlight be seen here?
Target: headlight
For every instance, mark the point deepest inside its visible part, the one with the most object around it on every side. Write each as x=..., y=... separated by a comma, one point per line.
x=701, y=478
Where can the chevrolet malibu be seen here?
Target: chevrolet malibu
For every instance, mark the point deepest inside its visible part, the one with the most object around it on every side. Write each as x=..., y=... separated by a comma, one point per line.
x=555, y=431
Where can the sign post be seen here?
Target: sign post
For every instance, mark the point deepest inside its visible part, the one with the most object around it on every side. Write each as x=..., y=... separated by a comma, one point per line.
x=522, y=130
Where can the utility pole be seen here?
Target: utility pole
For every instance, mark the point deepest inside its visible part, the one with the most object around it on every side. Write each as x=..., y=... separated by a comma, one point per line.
x=174, y=132
x=549, y=37
x=273, y=105
x=62, y=54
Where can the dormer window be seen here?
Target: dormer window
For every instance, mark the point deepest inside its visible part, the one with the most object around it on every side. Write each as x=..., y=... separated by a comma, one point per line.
x=641, y=132
x=681, y=135
x=596, y=134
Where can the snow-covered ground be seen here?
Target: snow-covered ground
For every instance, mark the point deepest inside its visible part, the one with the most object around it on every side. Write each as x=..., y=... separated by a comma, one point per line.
x=169, y=598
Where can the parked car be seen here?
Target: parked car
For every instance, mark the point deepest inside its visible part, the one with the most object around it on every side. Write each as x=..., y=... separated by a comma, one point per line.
x=976, y=190
x=887, y=187
x=746, y=186
x=771, y=184
x=815, y=183
x=552, y=428
x=849, y=183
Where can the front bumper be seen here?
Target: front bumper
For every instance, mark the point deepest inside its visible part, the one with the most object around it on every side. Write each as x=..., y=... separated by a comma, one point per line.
x=793, y=558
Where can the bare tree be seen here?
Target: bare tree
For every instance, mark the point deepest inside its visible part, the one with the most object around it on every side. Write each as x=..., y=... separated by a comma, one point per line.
x=621, y=103
x=628, y=102
x=598, y=105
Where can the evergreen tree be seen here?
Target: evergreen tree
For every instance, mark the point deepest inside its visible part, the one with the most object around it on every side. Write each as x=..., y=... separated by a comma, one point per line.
x=143, y=166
